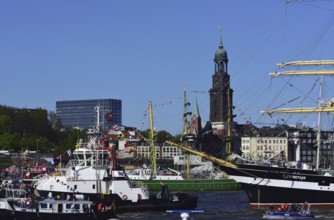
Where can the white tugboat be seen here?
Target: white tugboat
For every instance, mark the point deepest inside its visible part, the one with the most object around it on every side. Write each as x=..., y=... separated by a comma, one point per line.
x=94, y=173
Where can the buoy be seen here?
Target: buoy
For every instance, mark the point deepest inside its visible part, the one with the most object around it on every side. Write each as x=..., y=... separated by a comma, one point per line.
x=184, y=216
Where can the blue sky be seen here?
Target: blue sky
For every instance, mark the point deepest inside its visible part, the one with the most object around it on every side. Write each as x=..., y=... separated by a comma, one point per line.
x=145, y=50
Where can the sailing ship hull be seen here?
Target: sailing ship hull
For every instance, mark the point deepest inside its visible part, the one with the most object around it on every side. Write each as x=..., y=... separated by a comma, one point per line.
x=272, y=186
x=194, y=185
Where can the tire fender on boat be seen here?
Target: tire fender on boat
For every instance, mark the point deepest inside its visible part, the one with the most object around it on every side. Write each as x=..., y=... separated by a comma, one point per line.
x=125, y=197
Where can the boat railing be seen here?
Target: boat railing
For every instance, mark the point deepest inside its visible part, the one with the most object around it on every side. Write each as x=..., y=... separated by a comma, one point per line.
x=72, y=163
x=141, y=185
x=276, y=163
x=76, y=162
x=14, y=193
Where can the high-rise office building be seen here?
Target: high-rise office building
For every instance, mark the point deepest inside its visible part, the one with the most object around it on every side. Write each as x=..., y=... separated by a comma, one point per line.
x=82, y=114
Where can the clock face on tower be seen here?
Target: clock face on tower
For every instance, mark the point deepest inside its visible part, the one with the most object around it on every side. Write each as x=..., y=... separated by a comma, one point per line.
x=216, y=82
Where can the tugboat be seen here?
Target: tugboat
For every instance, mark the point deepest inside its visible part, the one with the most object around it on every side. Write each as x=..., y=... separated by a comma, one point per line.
x=17, y=206
x=94, y=173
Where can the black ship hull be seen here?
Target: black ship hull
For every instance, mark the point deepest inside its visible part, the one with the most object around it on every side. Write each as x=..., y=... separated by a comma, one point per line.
x=272, y=186
x=175, y=201
x=26, y=215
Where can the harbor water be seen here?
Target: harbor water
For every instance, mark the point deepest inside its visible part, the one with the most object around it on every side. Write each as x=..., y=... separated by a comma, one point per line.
x=216, y=205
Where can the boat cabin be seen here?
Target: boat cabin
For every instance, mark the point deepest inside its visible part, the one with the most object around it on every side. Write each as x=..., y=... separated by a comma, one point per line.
x=88, y=157
x=64, y=206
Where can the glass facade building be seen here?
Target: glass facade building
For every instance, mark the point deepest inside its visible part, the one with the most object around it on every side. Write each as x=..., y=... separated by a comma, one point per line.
x=82, y=114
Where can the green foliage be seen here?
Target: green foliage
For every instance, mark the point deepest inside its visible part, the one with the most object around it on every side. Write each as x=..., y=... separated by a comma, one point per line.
x=73, y=138
x=24, y=129
x=10, y=141
x=5, y=124
x=163, y=135
x=146, y=134
x=21, y=128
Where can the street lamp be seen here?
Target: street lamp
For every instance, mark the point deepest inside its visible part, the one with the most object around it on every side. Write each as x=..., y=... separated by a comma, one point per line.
x=37, y=150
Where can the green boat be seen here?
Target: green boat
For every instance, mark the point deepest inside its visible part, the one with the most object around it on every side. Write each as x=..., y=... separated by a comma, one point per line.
x=193, y=184
x=174, y=179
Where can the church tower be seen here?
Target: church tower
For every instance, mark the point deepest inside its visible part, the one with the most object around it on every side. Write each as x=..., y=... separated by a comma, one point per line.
x=221, y=95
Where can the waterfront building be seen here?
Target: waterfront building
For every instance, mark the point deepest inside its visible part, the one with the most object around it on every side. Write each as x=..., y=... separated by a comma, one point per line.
x=296, y=143
x=302, y=145
x=82, y=113
x=264, y=147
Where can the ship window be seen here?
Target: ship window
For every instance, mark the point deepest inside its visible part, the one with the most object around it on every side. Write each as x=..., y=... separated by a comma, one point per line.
x=88, y=155
x=93, y=186
x=68, y=206
x=75, y=186
x=105, y=156
x=44, y=205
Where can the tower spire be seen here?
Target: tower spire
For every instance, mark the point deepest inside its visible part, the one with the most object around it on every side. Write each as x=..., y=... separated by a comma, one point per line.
x=220, y=28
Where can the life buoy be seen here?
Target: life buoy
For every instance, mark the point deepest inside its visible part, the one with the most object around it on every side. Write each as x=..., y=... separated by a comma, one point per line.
x=27, y=202
x=124, y=197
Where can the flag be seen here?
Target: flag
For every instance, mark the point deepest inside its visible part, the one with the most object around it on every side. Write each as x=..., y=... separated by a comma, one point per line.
x=58, y=157
x=43, y=167
x=126, y=144
x=52, y=162
x=115, y=128
x=28, y=175
x=69, y=152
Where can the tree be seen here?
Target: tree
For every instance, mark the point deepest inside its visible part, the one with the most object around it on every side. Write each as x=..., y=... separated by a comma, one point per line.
x=163, y=135
x=10, y=141
x=5, y=124
x=146, y=134
x=54, y=121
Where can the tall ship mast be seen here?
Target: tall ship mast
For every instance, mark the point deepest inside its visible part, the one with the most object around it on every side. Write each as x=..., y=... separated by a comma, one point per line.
x=273, y=183
x=321, y=107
